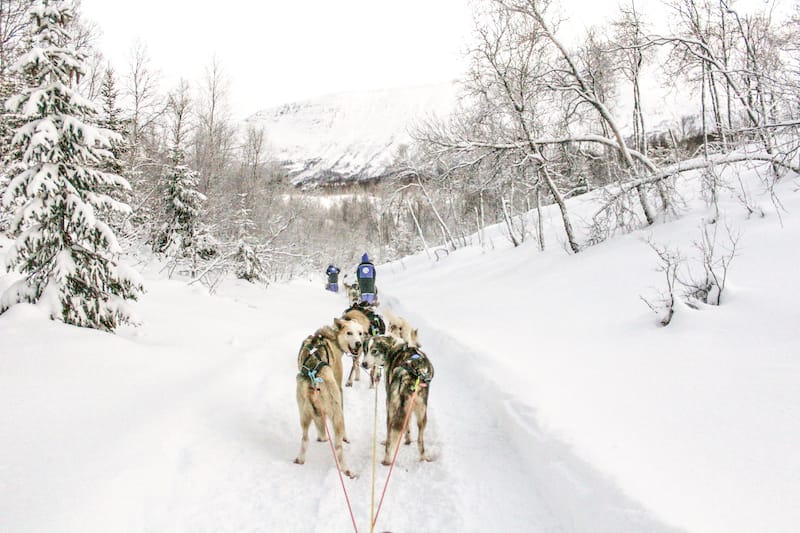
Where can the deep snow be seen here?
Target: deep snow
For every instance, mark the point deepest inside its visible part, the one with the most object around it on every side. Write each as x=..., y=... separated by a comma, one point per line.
x=558, y=403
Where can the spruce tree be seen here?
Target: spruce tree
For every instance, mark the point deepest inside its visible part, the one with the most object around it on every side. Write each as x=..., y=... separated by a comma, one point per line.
x=248, y=264
x=68, y=255
x=10, y=84
x=181, y=233
x=111, y=119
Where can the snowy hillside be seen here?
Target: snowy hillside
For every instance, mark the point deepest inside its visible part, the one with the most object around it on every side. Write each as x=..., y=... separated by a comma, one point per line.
x=558, y=403
x=351, y=136
x=364, y=136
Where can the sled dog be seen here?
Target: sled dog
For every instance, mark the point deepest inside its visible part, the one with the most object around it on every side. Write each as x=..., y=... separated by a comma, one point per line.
x=352, y=292
x=401, y=329
x=319, y=383
x=372, y=323
x=407, y=369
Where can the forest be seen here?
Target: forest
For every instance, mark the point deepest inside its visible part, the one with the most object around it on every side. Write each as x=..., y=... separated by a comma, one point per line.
x=147, y=172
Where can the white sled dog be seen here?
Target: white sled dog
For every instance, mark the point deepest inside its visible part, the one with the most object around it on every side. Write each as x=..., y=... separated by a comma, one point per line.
x=401, y=329
x=319, y=383
x=408, y=370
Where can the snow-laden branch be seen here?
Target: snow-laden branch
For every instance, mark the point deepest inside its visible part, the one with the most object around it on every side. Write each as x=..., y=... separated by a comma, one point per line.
x=696, y=164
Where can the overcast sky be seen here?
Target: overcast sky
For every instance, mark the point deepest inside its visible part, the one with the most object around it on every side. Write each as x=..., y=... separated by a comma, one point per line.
x=280, y=51
x=277, y=51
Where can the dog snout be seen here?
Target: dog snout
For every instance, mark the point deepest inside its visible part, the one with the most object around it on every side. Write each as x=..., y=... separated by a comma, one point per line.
x=364, y=365
x=358, y=345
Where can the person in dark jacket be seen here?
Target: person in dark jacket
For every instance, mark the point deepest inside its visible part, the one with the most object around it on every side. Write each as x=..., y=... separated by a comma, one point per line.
x=365, y=274
x=333, y=278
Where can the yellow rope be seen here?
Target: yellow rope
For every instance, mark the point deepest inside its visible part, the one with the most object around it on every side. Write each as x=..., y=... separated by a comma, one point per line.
x=374, y=460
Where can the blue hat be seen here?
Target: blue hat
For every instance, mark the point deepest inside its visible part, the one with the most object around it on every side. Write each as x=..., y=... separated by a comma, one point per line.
x=365, y=258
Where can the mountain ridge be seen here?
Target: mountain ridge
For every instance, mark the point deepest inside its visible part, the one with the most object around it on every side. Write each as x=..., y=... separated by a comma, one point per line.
x=350, y=137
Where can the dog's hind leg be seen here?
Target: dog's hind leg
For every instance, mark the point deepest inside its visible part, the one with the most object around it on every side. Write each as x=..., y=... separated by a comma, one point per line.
x=321, y=434
x=421, y=413
x=337, y=420
x=394, y=428
x=315, y=411
x=305, y=422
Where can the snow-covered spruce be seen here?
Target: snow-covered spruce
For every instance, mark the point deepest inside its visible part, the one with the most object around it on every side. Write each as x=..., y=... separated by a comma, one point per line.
x=68, y=255
x=249, y=265
x=181, y=232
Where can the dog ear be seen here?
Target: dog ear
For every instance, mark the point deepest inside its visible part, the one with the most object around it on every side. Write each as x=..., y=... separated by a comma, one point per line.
x=338, y=323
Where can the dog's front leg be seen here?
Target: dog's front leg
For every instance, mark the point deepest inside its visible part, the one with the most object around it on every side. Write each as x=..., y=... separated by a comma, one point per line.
x=374, y=377
x=354, y=372
x=341, y=405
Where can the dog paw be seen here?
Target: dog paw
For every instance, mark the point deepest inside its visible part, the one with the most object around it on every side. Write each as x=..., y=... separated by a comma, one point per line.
x=351, y=474
x=386, y=462
x=299, y=461
x=346, y=440
x=348, y=384
x=426, y=458
x=322, y=439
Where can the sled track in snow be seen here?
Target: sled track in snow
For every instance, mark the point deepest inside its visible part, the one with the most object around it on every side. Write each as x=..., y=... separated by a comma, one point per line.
x=494, y=469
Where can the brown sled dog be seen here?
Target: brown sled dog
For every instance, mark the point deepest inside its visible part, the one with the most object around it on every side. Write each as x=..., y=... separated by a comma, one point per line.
x=407, y=369
x=319, y=383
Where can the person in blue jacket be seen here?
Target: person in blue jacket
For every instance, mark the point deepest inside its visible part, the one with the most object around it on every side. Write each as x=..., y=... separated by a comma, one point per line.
x=333, y=278
x=365, y=274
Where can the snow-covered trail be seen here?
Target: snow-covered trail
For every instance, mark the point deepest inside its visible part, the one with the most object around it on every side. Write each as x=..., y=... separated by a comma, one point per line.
x=511, y=475
x=493, y=468
x=189, y=423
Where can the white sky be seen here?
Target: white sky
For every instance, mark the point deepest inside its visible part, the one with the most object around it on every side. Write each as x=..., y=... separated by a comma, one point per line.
x=282, y=51
x=279, y=51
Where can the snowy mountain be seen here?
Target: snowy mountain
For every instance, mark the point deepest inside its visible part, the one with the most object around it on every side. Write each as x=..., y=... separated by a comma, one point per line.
x=365, y=135
x=357, y=136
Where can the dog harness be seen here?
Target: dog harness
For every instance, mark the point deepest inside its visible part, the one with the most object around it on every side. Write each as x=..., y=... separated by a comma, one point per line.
x=377, y=326
x=418, y=366
x=314, y=361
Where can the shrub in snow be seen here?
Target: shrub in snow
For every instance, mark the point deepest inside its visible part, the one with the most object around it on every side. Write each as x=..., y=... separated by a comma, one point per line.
x=248, y=264
x=663, y=303
x=696, y=290
x=715, y=260
x=69, y=256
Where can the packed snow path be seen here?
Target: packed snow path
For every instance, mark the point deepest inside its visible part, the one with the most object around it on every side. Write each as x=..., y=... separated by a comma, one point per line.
x=190, y=424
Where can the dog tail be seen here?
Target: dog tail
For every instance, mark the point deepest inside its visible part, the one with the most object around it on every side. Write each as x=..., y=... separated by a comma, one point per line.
x=326, y=332
x=391, y=318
